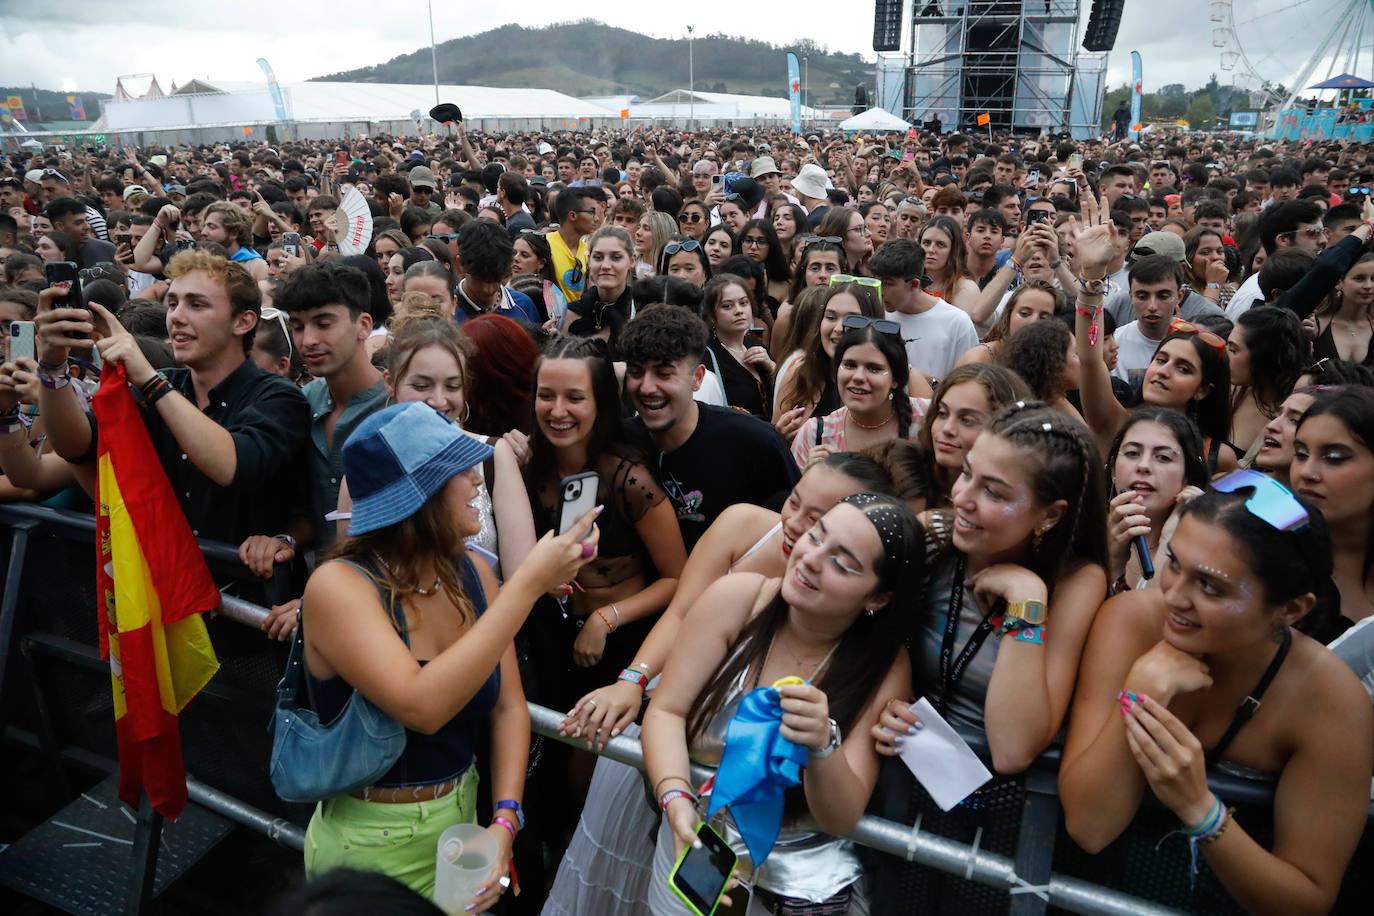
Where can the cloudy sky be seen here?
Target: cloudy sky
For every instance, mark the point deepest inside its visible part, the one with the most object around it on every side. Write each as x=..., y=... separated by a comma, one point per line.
x=86, y=44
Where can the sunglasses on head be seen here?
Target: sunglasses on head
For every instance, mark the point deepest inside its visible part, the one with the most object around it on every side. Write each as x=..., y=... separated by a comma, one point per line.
x=837, y=279
x=270, y=313
x=1271, y=502
x=1179, y=326
x=832, y=239
x=445, y=238
x=675, y=247
x=881, y=325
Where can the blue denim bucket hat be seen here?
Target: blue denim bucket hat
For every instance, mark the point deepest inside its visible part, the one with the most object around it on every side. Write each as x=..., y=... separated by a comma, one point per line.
x=399, y=457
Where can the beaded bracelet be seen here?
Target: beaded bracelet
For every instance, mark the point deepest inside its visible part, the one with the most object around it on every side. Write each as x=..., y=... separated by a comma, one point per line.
x=668, y=797
x=634, y=677
x=610, y=628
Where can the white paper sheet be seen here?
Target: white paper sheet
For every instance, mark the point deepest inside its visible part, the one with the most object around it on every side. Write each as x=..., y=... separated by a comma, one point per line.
x=940, y=760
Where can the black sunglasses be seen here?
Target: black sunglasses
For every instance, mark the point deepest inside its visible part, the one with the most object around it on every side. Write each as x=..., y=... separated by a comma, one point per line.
x=881, y=325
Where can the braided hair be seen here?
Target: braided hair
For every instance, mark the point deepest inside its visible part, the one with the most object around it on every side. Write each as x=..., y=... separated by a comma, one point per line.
x=1065, y=464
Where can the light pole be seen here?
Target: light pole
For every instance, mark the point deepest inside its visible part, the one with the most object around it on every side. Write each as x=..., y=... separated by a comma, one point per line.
x=433, y=55
x=691, y=82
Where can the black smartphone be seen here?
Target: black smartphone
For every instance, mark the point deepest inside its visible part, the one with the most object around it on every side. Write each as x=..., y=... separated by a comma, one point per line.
x=702, y=872
x=186, y=244
x=291, y=243
x=1036, y=216
x=66, y=272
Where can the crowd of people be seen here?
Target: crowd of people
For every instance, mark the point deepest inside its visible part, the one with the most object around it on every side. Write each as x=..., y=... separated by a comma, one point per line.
x=1005, y=423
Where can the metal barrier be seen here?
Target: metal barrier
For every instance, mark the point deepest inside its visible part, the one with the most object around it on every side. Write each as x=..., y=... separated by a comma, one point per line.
x=904, y=841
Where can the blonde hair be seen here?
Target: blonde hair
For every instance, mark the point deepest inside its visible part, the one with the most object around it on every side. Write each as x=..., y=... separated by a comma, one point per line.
x=414, y=306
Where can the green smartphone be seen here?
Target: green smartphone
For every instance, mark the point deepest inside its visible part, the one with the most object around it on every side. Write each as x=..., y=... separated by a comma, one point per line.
x=701, y=874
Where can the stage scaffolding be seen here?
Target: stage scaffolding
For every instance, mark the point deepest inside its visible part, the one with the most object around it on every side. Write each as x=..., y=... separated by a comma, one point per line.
x=1018, y=61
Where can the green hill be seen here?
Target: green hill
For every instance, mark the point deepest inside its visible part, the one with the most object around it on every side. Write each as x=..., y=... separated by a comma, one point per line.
x=589, y=58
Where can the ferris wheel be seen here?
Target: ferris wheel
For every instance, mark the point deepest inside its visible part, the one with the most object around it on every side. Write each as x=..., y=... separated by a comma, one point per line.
x=1275, y=49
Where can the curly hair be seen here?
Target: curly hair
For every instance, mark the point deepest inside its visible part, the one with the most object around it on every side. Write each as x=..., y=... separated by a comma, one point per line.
x=238, y=283
x=1039, y=353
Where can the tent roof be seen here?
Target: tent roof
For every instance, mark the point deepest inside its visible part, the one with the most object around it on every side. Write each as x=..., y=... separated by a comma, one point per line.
x=1344, y=81
x=874, y=119
x=746, y=105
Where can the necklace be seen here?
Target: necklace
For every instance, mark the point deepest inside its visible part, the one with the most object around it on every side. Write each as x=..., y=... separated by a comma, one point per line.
x=859, y=423
x=417, y=589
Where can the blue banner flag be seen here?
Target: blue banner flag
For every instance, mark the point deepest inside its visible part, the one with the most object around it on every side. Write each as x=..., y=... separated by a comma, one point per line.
x=794, y=90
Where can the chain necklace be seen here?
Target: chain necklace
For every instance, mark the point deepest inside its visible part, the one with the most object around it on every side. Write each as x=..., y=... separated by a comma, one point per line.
x=417, y=589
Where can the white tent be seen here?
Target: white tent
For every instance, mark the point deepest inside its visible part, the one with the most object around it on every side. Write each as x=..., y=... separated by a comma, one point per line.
x=874, y=119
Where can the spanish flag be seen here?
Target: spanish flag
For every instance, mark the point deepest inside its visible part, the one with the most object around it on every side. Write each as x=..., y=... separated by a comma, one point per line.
x=153, y=585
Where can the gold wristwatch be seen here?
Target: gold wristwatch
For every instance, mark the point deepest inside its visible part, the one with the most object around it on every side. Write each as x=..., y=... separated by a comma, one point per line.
x=1024, y=614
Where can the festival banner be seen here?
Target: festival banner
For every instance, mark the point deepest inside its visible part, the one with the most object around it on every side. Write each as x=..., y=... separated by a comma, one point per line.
x=78, y=112
x=1135, y=95
x=794, y=91
x=153, y=586
x=16, y=108
x=273, y=88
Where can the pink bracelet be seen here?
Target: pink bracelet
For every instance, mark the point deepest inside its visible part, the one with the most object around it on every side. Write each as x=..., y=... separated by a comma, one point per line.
x=505, y=822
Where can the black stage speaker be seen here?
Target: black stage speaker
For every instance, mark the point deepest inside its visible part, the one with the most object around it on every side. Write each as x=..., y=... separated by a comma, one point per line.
x=1103, y=23
x=887, y=25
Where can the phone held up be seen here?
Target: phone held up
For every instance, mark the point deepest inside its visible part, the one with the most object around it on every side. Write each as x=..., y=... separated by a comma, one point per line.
x=702, y=873
x=291, y=243
x=577, y=497
x=22, y=342
x=66, y=272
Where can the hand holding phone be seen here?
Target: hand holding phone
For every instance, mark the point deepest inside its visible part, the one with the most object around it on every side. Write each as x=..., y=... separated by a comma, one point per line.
x=59, y=272
x=577, y=497
x=703, y=872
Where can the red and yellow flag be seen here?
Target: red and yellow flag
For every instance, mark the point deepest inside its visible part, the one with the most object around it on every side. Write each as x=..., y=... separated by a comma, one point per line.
x=153, y=584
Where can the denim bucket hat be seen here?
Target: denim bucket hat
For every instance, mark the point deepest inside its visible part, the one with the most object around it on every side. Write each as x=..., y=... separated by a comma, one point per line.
x=399, y=457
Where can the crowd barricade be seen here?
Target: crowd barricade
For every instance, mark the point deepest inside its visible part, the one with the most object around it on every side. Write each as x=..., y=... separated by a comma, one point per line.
x=55, y=703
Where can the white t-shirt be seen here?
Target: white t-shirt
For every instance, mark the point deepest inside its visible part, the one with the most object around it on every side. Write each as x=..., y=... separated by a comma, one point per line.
x=936, y=338
x=1246, y=296
x=1134, y=353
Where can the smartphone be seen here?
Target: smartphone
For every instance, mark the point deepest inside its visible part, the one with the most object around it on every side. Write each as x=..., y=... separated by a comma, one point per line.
x=1075, y=160
x=66, y=272
x=340, y=157
x=701, y=874
x=1037, y=216
x=1033, y=178
x=22, y=341
x=577, y=497
x=717, y=181
x=186, y=244
x=291, y=243
x=908, y=157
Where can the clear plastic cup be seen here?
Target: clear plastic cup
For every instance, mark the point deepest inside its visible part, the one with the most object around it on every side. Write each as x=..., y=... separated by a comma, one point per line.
x=465, y=857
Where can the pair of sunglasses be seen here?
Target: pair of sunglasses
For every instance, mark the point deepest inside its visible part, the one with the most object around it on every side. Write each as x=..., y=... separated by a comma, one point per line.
x=881, y=325
x=269, y=313
x=675, y=247
x=1271, y=501
x=832, y=239
x=1179, y=326
x=837, y=279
